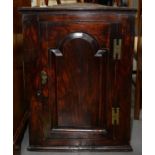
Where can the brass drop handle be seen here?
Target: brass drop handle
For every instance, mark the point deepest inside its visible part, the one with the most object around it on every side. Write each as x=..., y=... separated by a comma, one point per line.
x=44, y=77
x=38, y=93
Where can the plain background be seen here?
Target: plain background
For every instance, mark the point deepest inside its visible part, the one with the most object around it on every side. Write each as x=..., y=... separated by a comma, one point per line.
x=6, y=77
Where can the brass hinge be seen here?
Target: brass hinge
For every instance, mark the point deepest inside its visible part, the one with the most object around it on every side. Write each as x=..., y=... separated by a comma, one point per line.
x=117, y=49
x=115, y=116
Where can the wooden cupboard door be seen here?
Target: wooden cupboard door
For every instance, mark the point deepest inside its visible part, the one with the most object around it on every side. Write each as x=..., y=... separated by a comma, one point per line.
x=74, y=105
x=79, y=56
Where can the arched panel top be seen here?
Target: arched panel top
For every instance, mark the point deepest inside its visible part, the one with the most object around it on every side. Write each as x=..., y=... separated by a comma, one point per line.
x=80, y=35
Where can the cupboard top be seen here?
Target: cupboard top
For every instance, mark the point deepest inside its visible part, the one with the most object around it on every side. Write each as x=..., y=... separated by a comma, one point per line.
x=78, y=7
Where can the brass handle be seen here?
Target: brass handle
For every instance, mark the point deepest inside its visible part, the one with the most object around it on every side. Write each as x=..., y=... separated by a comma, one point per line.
x=44, y=77
x=38, y=93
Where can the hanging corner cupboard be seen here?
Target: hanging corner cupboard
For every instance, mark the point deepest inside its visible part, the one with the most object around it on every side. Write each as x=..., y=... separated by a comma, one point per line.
x=78, y=67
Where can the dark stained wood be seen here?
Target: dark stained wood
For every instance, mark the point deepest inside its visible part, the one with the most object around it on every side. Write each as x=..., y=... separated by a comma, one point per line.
x=123, y=148
x=73, y=81
x=138, y=93
x=20, y=109
x=58, y=1
x=16, y=151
